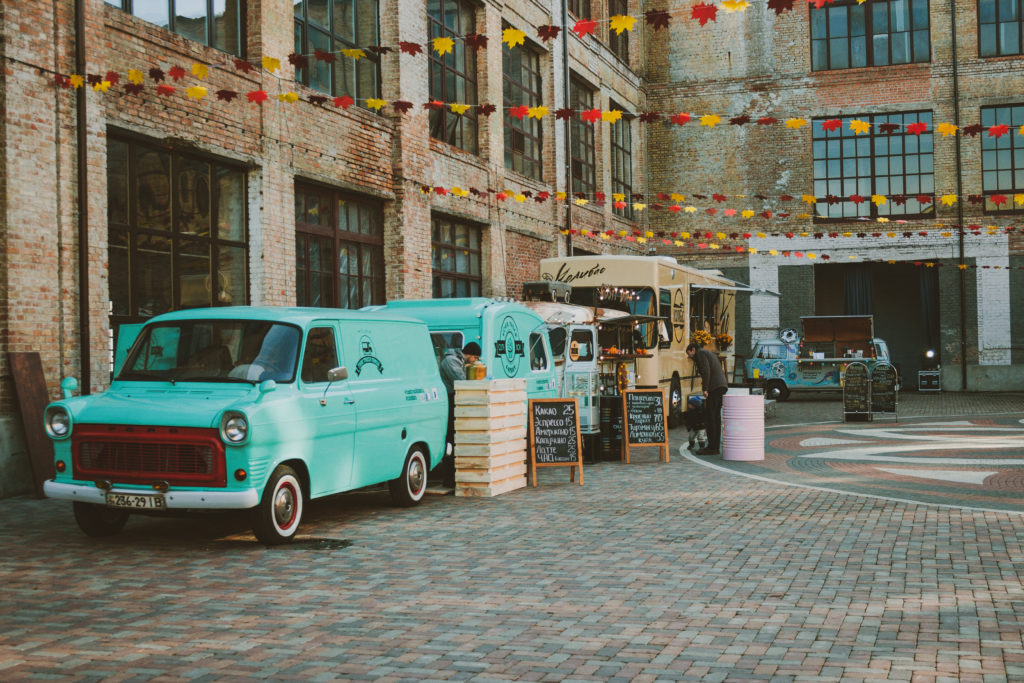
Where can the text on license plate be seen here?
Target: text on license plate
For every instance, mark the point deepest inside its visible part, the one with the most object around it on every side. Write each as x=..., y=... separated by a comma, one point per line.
x=136, y=501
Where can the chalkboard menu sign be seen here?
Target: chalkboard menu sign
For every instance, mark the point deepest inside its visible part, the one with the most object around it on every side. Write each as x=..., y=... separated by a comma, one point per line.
x=883, y=388
x=856, y=391
x=646, y=422
x=555, y=435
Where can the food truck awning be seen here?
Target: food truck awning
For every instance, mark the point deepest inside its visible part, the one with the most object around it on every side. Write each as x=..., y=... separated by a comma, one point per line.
x=735, y=287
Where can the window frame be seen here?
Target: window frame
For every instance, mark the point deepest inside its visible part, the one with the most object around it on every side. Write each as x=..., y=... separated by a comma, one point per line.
x=582, y=136
x=337, y=238
x=530, y=166
x=621, y=158
x=134, y=234
x=999, y=52
x=1012, y=143
x=579, y=8
x=457, y=130
x=618, y=43
x=303, y=26
x=821, y=139
x=438, y=276
x=869, y=35
x=128, y=6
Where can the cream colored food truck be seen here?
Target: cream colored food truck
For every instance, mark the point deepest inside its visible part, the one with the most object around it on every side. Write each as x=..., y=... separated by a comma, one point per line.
x=668, y=302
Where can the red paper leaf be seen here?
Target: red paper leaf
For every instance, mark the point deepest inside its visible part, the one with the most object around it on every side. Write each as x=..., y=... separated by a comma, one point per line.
x=501, y=196
x=785, y=198
x=401, y=106
x=898, y=199
x=224, y=95
x=476, y=41
x=157, y=74
x=322, y=56
x=134, y=88
x=767, y=120
x=976, y=199
x=112, y=77
x=317, y=100
x=599, y=196
x=719, y=197
x=999, y=199
x=971, y=131
x=542, y=197
x=345, y=101
x=924, y=198
x=680, y=119
x=176, y=72
x=433, y=104
x=711, y=211
x=789, y=235
x=739, y=120
x=700, y=196
x=998, y=131
x=298, y=61
x=675, y=208
x=780, y=6
x=164, y=89
x=548, y=32
x=486, y=109
x=703, y=13
x=656, y=18
x=818, y=4
x=782, y=214
x=765, y=214
x=662, y=195
x=410, y=48
x=62, y=81
x=917, y=128
x=832, y=124
x=584, y=26
x=649, y=117
x=243, y=66
x=856, y=199
x=591, y=115
x=256, y=96
x=440, y=191
x=518, y=112
x=564, y=114
x=620, y=205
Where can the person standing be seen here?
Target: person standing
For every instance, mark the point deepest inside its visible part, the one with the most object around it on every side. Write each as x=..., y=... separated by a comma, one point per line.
x=714, y=386
x=453, y=368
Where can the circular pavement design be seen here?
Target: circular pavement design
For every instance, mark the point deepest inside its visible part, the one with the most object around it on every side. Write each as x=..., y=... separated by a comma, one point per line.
x=963, y=462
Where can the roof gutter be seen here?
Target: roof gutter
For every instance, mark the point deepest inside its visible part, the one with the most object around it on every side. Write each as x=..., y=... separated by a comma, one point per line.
x=81, y=139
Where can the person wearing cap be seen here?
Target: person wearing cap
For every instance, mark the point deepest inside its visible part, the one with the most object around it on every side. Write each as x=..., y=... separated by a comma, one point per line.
x=453, y=368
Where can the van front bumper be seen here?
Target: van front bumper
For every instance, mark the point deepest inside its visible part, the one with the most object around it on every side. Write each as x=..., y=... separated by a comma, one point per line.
x=174, y=499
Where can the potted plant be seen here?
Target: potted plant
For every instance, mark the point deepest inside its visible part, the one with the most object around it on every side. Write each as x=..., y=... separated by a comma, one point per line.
x=724, y=341
x=700, y=338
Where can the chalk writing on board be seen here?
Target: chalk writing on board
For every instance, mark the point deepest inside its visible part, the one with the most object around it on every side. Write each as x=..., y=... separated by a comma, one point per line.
x=645, y=417
x=555, y=425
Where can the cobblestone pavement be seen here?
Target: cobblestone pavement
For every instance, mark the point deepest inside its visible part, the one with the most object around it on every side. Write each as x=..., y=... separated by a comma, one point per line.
x=651, y=571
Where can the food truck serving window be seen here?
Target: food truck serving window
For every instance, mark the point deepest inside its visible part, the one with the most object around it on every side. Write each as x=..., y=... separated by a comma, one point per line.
x=581, y=345
x=772, y=351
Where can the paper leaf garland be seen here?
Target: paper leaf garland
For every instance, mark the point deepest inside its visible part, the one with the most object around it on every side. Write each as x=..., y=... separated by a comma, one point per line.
x=710, y=120
x=948, y=199
x=657, y=19
x=584, y=26
x=345, y=101
x=200, y=71
x=998, y=131
x=375, y=103
x=703, y=13
x=591, y=115
x=611, y=116
x=680, y=119
x=459, y=109
x=353, y=53
x=300, y=61
x=486, y=109
x=513, y=37
x=257, y=96
x=537, y=112
x=401, y=106
x=476, y=41
x=780, y=6
x=196, y=92
x=858, y=126
x=443, y=45
x=795, y=123
x=735, y=5
x=164, y=89
x=917, y=128
x=410, y=48
x=946, y=129
x=135, y=76
x=176, y=72
x=519, y=112
x=271, y=64
x=620, y=23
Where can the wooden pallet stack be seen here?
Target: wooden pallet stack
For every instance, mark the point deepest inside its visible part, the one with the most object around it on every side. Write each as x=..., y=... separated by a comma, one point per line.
x=490, y=436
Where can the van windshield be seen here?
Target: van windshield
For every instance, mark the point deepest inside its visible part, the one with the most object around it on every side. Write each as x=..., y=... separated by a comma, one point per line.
x=214, y=351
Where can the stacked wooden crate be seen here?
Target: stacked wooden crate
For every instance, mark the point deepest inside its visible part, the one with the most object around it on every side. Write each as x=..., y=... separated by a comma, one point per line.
x=490, y=436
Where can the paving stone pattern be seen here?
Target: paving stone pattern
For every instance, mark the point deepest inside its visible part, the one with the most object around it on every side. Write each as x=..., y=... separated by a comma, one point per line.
x=651, y=571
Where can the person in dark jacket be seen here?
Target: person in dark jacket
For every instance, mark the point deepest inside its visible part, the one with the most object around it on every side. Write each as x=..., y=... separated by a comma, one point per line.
x=453, y=368
x=714, y=386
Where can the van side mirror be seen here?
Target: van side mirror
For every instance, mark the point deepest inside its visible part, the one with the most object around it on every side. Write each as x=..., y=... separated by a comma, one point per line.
x=68, y=385
x=337, y=374
x=267, y=385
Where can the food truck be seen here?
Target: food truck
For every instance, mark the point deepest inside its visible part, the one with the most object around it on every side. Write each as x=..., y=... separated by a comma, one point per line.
x=815, y=358
x=665, y=303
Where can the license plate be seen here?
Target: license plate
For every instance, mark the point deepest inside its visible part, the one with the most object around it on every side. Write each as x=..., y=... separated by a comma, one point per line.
x=136, y=501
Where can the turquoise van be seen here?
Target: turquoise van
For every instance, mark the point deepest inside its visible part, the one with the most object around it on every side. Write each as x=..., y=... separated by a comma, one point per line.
x=513, y=338
x=252, y=408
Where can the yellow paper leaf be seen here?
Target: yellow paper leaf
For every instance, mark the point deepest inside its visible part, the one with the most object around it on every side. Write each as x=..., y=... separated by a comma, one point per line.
x=853, y=256
x=604, y=236
x=735, y=5
x=890, y=234
x=102, y=86
x=679, y=243
x=847, y=234
x=135, y=76
x=513, y=37
x=618, y=196
x=858, y=126
x=883, y=219
x=537, y=112
x=761, y=235
x=773, y=252
x=715, y=246
x=878, y=199
x=641, y=240
x=200, y=71
x=747, y=213
x=620, y=23
x=946, y=129
x=690, y=209
x=560, y=196
x=811, y=254
x=685, y=235
x=611, y=116
x=196, y=92
x=1018, y=199
x=288, y=97
x=458, y=108
x=752, y=250
x=375, y=104
x=459, y=192
x=803, y=215
x=710, y=120
x=637, y=206
x=520, y=197
x=720, y=235
x=948, y=199
x=580, y=201
x=947, y=234
x=795, y=123
x=76, y=81
x=648, y=234
x=809, y=199
x=677, y=197
x=353, y=52
x=271, y=64
x=443, y=45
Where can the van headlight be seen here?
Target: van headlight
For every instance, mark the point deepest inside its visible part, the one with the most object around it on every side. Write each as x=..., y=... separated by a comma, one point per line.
x=234, y=427
x=57, y=422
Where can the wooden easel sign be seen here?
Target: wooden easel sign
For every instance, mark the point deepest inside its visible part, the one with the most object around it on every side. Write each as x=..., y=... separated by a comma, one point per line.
x=644, y=421
x=555, y=435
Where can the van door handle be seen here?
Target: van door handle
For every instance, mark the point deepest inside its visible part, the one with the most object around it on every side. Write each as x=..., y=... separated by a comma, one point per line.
x=349, y=401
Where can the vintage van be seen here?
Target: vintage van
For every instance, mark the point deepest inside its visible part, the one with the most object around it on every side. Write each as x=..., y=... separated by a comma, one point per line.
x=513, y=339
x=245, y=407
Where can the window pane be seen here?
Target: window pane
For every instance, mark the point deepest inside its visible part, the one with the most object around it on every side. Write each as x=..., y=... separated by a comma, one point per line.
x=227, y=17
x=192, y=210
x=230, y=204
x=153, y=12
x=317, y=12
x=152, y=171
x=194, y=286
x=117, y=182
x=119, y=283
x=151, y=277
x=230, y=276
x=190, y=19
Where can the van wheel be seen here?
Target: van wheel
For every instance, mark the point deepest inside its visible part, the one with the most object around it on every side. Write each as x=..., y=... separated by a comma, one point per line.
x=278, y=515
x=675, y=402
x=99, y=521
x=778, y=390
x=408, y=489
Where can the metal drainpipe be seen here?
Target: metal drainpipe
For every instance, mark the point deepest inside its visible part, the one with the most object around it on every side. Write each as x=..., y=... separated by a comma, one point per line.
x=568, y=128
x=81, y=138
x=959, y=204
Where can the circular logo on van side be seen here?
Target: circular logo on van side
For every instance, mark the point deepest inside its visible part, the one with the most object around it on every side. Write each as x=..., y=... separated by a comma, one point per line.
x=509, y=347
x=367, y=351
